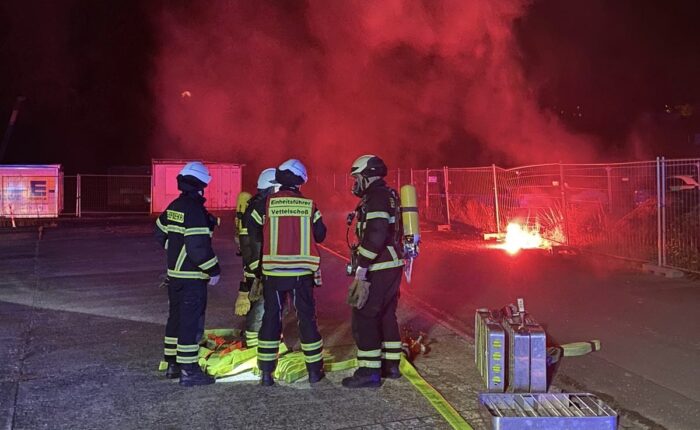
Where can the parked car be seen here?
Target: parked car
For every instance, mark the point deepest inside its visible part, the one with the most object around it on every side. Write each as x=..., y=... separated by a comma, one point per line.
x=682, y=183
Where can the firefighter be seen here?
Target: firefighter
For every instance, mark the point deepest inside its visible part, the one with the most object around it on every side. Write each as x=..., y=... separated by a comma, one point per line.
x=250, y=301
x=185, y=230
x=291, y=226
x=374, y=293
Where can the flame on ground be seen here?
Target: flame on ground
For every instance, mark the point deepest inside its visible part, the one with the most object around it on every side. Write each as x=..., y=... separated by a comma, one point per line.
x=520, y=237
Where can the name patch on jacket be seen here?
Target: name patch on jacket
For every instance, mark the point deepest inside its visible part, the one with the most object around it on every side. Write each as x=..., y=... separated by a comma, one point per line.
x=176, y=216
x=290, y=206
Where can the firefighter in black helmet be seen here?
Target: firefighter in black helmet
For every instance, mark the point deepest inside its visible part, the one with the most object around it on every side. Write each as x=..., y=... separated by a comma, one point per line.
x=374, y=293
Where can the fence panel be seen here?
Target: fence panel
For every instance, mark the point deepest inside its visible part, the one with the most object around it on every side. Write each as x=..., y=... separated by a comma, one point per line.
x=114, y=194
x=69, y=194
x=612, y=209
x=472, y=199
x=532, y=195
x=681, y=214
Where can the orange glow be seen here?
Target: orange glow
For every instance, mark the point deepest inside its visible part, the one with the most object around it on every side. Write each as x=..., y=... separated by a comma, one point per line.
x=520, y=237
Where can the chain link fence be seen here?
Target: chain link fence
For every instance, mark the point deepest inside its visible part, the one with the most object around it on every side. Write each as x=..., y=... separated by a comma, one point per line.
x=112, y=195
x=646, y=211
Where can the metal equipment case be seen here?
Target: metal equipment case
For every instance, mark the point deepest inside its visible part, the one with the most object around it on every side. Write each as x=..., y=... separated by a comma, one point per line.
x=489, y=354
x=527, y=354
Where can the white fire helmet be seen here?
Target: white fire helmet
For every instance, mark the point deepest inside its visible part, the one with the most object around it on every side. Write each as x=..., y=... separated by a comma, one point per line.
x=267, y=179
x=197, y=170
x=295, y=166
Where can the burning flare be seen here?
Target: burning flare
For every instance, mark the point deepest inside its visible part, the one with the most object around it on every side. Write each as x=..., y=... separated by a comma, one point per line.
x=519, y=237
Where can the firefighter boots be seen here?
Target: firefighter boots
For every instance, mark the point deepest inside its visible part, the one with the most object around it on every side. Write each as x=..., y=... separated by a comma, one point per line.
x=191, y=375
x=316, y=375
x=391, y=370
x=266, y=379
x=363, y=380
x=173, y=371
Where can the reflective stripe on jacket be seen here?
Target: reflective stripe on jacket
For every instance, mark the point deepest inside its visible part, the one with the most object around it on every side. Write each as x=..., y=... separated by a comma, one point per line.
x=185, y=230
x=289, y=234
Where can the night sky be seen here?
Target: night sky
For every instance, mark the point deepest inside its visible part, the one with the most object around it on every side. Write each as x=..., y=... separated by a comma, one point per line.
x=101, y=80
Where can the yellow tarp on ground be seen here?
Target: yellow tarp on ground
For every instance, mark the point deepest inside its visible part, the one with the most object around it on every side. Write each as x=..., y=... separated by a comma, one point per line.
x=222, y=357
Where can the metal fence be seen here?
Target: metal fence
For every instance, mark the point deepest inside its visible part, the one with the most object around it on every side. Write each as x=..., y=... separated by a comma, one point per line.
x=112, y=194
x=645, y=211
x=642, y=211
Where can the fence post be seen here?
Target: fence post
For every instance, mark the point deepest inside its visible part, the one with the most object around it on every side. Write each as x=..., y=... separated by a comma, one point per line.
x=663, y=211
x=564, y=210
x=495, y=196
x=658, y=212
x=427, y=190
x=78, y=197
x=445, y=176
x=411, y=175
x=608, y=169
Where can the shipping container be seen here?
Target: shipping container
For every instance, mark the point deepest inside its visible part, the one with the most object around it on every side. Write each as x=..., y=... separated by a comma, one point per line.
x=30, y=191
x=220, y=194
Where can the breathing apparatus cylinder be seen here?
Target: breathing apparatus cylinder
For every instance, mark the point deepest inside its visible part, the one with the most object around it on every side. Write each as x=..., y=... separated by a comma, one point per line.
x=241, y=203
x=409, y=217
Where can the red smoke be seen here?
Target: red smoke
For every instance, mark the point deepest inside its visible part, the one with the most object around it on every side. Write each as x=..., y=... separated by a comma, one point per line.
x=417, y=82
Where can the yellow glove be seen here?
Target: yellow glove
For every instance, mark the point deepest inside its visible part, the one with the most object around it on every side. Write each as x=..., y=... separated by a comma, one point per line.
x=358, y=293
x=242, y=304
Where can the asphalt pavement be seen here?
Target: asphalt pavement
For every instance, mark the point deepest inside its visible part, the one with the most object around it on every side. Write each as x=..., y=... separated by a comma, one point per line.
x=82, y=319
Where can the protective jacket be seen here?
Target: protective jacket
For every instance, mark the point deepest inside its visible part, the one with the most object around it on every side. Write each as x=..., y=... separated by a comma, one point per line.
x=251, y=245
x=290, y=227
x=376, y=228
x=185, y=230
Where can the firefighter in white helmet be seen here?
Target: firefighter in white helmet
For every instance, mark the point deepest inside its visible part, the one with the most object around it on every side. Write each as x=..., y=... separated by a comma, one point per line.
x=184, y=229
x=290, y=226
x=250, y=301
x=374, y=293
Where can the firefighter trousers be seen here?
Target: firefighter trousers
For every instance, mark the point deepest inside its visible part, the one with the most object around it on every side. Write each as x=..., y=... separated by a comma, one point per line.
x=253, y=322
x=374, y=327
x=188, y=302
x=275, y=293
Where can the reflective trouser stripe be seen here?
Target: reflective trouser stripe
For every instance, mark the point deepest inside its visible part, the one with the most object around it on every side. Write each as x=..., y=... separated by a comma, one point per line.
x=269, y=343
x=312, y=351
x=311, y=346
x=313, y=358
x=391, y=355
x=268, y=349
x=187, y=354
x=251, y=339
x=170, y=346
x=263, y=356
x=369, y=358
x=391, y=350
x=373, y=353
x=372, y=364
